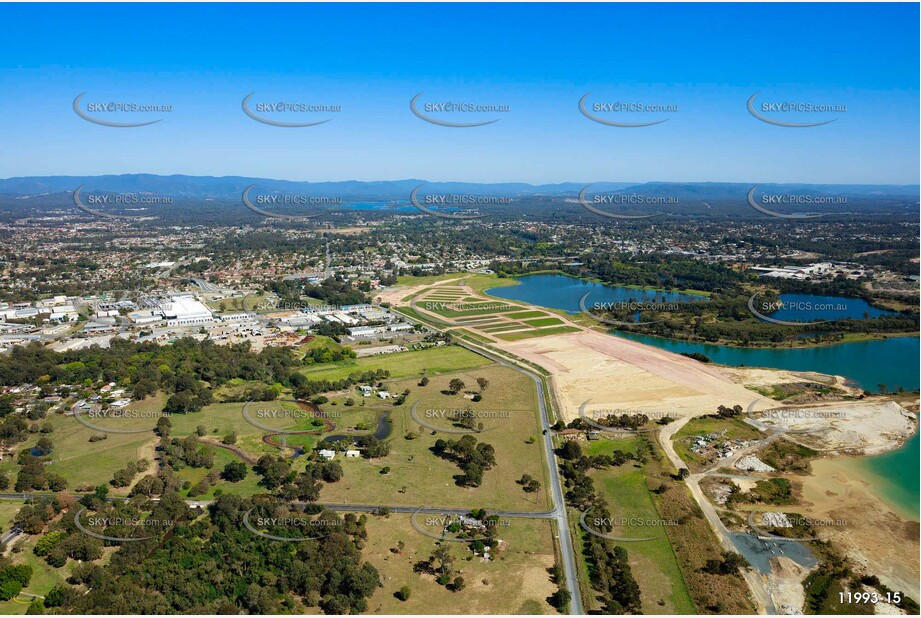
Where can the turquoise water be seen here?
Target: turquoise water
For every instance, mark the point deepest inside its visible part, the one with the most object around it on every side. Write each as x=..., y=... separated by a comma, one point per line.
x=898, y=475
x=890, y=362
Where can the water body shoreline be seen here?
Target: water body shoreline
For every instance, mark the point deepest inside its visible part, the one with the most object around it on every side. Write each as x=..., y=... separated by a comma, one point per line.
x=891, y=362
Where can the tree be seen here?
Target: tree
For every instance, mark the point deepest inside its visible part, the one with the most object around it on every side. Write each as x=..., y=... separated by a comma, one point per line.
x=456, y=385
x=44, y=446
x=560, y=599
x=424, y=381
x=482, y=383
x=571, y=450
x=234, y=472
x=403, y=593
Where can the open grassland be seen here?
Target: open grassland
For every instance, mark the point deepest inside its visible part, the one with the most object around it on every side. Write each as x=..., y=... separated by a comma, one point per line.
x=403, y=364
x=520, y=315
x=499, y=328
x=694, y=542
x=8, y=510
x=662, y=587
x=607, y=446
x=44, y=576
x=516, y=582
x=247, y=487
x=83, y=462
x=417, y=476
x=543, y=322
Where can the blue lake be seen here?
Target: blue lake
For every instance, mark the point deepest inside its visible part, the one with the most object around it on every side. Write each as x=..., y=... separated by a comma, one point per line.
x=809, y=308
x=563, y=292
x=891, y=362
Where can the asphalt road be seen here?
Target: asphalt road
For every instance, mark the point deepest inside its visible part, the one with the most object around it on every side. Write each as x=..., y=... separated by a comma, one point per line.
x=559, y=511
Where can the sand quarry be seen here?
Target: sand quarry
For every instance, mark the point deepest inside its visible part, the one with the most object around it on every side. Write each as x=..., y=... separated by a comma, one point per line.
x=596, y=370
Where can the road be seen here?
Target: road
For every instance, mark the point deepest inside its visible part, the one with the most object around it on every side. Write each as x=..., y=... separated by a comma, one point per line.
x=558, y=513
x=756, y=584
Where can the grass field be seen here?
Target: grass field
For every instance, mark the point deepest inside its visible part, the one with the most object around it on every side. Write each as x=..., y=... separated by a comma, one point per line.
x=520, y=315
x=418, y=477
x=404, y=364
x=654, y=566
x=516, y=582
x=544, y=322
x=502, y=328
x=44, y=576
x=8, y=510
x=540, y=332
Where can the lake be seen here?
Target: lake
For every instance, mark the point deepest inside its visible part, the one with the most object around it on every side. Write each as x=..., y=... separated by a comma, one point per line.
x=810, y=308
x=891, y=362
x=563, y=292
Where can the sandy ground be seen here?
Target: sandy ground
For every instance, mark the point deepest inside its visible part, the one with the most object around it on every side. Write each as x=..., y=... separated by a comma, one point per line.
x=602, y=371
x=618, y=373
x=875, y=536
x=860, y=427
x=787, y=585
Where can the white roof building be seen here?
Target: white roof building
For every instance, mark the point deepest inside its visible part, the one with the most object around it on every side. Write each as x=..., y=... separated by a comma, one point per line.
x=327, y=453
x=185, y=310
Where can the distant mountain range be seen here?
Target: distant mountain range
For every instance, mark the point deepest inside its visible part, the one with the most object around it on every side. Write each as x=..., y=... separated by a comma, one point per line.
x=230, y=187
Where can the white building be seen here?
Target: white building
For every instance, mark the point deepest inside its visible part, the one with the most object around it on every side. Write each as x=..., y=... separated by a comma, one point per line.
x=327, y=454
x=352, y=453
x=183, y=310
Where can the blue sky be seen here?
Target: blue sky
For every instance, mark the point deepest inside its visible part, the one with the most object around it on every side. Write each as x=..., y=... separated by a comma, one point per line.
x=538, y=59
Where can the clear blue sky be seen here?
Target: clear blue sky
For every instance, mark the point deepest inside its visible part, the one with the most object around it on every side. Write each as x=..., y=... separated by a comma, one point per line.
x=537, y=59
